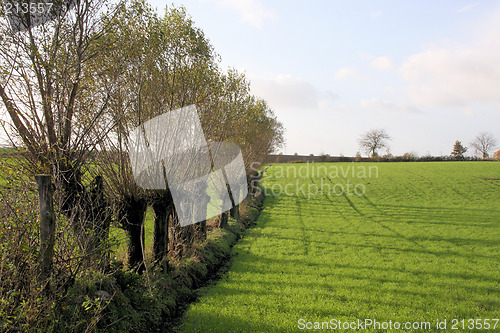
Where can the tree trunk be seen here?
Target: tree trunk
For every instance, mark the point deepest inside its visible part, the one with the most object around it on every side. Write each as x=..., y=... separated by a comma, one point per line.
x=161, y=208
x=201, y=227
x=235, y=212
x=47, y=224
x=180, y=237
x=87, y=209
x=72, y=193
x=100, y=222
x=133, y=223
x=224, y=216
x=223, y=219
x=201, y=230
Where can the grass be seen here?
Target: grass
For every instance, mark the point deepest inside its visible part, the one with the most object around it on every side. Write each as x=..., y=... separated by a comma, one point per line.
x=421, y=244
x=120, y=241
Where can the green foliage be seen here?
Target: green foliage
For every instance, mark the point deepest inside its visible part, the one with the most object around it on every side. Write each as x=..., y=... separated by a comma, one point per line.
x=323, y=157
x=6, y=151
x=458, y=151
x=420, y=244
x=22, y=302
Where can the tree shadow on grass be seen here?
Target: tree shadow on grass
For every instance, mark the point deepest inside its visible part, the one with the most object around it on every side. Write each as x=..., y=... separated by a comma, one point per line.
x=216, y=321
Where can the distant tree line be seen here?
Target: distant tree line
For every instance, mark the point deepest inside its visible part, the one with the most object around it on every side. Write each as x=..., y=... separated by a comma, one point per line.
x=372, y=141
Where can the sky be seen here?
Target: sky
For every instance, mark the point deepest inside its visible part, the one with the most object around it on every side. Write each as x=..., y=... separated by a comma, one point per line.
x=428, y=72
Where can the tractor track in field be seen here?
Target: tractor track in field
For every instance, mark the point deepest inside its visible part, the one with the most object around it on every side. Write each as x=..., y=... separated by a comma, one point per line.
x=333, y=204
x=431, y=183
x=353, y=206
x=492, y=181
x=305, y=239
x=395, y=232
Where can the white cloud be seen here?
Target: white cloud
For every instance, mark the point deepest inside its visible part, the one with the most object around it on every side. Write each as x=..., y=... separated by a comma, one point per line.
x=442, y=77
x=376, y=14
x=467, y=8
x=253, y=12
x=339, y=108
x=469, y=112
x=389, y=90
x=457, y=75
x=382, y=63
x=289, y=92
x=377, y=104
x=348, y=73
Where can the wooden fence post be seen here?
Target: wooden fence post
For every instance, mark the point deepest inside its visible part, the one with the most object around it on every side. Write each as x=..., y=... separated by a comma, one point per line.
x=47, y=223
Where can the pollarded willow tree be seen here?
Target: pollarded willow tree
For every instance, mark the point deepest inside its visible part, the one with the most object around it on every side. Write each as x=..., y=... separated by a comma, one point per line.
x=46, y=88
x=157, y=64
x=128, y=65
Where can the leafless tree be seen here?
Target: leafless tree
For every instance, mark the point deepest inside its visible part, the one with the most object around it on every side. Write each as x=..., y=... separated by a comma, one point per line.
x=484, y=143
x=374, y=140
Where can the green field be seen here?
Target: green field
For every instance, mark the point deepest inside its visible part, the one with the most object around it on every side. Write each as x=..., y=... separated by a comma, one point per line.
x=417, y=242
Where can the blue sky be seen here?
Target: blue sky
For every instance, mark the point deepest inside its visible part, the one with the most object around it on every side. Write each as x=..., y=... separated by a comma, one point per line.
x=426, y=71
